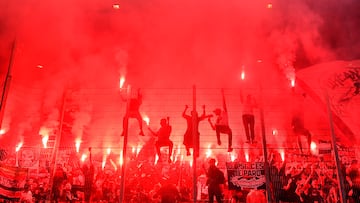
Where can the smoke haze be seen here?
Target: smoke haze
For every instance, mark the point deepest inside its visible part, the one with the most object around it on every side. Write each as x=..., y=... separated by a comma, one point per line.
x=71, y=45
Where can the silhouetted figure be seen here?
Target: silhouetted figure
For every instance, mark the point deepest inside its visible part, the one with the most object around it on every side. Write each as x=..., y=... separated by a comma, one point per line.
x=168, y=193
x=249, y=118
x=26, y=195
x=299, y=130
x=222, y=124
x=357, y=87
x=163, y=135
x=188, y=136
x=215, y=182
x=59, y=177
x=132, y=111
x=88, y=171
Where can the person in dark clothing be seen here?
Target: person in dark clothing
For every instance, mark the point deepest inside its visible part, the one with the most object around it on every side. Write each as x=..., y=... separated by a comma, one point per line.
x=299, y=130
x=88, y=171
x=132, y=111
x=277, y=176
x=222, y=124
x=215, y=182
x=289, y=193
x=163, y=135
x=188, y=136
x=59, y=177
x=168, y=193
x=314, y=193
x=249, y=118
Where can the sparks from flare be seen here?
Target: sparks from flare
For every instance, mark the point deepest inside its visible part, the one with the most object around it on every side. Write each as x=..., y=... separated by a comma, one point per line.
x=45, y=140
x=133, y=149
x=83, y=157
x=147, y=120
x=242, y=73
x=232, y=156
x=116, y=6
x=208, y=152
x=138, y=148
x=122, y=81
x=18, y=147
x=103, y=162
x=313, y=147
x=121, y=160
x=274, y=132
x=292, y=82
x=77, y=145
x=282, y=155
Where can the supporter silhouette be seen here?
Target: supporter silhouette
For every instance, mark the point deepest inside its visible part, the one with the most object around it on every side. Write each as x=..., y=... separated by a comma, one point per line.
x=168, y=193
x=297, y=124
x=192, y=120
x=59, y=177
x=215, y=182
x=88, y=171
x=222, y=124
x=249, y=118
x=132, y=111
x=163, y=135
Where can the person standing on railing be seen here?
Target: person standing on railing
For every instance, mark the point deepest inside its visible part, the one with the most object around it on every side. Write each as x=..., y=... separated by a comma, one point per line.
x=132, y=111
x=249, y=118
x=222, y=124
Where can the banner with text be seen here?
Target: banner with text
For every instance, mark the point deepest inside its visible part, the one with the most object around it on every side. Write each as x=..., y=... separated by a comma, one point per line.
x=247, y=175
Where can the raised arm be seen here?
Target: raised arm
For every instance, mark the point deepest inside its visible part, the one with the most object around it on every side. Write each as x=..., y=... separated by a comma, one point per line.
x=184, y=112
x=203, y=115
x=223, y=100
x=203, y=112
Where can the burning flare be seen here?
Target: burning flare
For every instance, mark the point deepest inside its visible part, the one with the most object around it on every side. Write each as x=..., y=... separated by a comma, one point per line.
x=122, y=81
x=45, y=140
x=77, y=145
x=18, y=147
x=147, y=120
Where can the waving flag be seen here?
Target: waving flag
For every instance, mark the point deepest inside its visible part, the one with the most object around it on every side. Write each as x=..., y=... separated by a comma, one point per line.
x=339, y=82
x=12, y=181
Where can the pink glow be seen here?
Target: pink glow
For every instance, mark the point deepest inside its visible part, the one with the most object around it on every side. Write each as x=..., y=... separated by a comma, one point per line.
x=75, y=67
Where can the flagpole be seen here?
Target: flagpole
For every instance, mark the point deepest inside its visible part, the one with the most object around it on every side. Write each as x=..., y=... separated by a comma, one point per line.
x=195, y=143
x=340, y=176
x=7, y=83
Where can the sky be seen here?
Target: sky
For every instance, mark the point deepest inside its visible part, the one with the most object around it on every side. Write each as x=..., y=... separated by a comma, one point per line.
x=70, y=45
